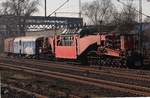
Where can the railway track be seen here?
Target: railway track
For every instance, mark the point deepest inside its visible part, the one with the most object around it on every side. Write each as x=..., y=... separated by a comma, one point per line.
x=111, y=75
x=127, y=88
x=95, y=68
x=59, y=93
x=119, y=73
x=25, y=91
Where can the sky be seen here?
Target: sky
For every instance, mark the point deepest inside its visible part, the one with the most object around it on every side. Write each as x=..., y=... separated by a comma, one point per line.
x=73, y=6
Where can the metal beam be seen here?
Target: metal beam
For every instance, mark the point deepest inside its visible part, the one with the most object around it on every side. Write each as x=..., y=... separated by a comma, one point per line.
x=41, y=22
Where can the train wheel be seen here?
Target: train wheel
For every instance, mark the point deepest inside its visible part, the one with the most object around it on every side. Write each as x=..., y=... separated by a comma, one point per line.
x=92, y=58
x=123, y=63
x=108, y=62
x=83, y=60
x=135, y=62
x=103, y=61
x=138, y=63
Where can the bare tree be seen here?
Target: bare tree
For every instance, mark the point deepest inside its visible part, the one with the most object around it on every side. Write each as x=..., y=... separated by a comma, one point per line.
x=98, y=11
x=20, y=9
x=126, y=19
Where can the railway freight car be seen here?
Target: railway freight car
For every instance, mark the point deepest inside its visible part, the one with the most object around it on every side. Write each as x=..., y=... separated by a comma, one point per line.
x=8, y=46
x=66, y=46
x=94, y=48
x=29, y=46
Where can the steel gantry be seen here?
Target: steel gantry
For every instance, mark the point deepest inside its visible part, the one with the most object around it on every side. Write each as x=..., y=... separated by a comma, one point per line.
x=36, y=23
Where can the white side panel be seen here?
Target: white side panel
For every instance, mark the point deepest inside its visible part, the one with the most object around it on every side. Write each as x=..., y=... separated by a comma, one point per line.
x=17, y=47
x=29, y=47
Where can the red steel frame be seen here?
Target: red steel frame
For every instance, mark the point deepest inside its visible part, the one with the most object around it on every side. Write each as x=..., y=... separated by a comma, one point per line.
x=66, y=52
x=79, y=45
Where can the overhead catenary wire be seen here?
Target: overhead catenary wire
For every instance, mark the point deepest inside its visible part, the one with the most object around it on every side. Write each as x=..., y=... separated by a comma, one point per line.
x=59, y=8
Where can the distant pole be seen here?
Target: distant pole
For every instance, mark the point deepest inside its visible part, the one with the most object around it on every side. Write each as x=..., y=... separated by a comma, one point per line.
x=44, y=43
x=45, y=8
x=80, y=9
x=140, y=11
x=55, y=23
x=141, y=29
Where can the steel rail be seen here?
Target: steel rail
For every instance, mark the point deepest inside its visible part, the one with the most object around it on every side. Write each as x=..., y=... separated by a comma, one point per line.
x=93, y=71
x=132, y=89
x=97, y=71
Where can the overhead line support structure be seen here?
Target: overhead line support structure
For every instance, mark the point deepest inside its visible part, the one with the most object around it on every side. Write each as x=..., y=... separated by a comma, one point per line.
x=80, y=9
x=45, y=8
x=141, y=26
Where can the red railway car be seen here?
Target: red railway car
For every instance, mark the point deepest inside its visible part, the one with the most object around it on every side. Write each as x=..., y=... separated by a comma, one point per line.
x=73, y=46
x=96, y=48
